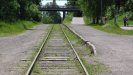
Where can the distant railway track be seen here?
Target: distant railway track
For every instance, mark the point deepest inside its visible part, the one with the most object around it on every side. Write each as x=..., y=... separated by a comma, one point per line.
x=57, y=56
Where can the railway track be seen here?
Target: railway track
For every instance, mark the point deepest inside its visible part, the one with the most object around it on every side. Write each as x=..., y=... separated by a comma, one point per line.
x=57, y=56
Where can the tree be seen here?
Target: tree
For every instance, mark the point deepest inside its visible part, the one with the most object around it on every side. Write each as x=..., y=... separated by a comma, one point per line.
x=54, y=15
x=92, y=8
x=29, y=10
x=8, y=10
x=12, y=10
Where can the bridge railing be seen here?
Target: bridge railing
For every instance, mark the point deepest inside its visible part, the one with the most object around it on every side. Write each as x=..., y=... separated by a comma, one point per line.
x=53, y=7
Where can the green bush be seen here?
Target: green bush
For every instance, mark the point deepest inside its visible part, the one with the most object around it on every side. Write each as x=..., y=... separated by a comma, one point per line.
x=8, y=10
x=68, y=18
x=47, y=20
x=34, y=13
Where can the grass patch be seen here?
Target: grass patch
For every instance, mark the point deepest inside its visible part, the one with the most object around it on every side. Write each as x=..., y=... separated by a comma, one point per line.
x=37, y=70
x=110, y=27
x=8, y=28
x=74, y=39
x=96, y=69
x=83, y=51
x=77, y=42
x=68, y=19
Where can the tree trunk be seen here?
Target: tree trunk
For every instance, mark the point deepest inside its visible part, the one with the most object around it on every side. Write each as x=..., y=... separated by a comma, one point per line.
x=97, y=20
x=93, y=21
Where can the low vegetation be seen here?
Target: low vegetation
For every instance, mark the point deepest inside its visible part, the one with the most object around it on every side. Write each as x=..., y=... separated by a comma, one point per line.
x=53, y=17
x=94, y=10
x=16, y=16
x=68, y=19
x=110, y=27
x=12, y=28
x=37, y=70
x=84, y=51
x=97, y=68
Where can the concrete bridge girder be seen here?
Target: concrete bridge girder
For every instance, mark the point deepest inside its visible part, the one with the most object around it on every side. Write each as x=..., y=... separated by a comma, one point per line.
x=63, y=9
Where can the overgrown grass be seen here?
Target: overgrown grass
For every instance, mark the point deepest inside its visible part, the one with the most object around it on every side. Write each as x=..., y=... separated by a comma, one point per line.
x=13, y=28
x=96, y=69
x=32, y=56
x=110, y=27
x=37, y=70
x=93, y=69
x=68, y=19
x=74, y=39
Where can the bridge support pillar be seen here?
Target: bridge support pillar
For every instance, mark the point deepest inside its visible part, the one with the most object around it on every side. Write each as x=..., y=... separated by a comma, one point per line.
x=64, y=14
x=54, y=2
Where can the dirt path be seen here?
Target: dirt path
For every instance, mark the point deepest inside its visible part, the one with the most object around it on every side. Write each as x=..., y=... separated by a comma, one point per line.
x=116, y=51
x=15, y=48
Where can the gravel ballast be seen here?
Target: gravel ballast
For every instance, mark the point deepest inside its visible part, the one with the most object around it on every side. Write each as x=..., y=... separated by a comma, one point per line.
x=115, y=51
x=13, y=49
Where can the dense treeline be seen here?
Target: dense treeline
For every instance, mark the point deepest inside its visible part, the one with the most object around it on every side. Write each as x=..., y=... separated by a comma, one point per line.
x=96, y=9
x=12, y=10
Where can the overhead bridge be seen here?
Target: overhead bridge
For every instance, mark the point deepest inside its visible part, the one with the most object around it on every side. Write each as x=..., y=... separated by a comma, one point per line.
x=63, y=9
x=60, y=8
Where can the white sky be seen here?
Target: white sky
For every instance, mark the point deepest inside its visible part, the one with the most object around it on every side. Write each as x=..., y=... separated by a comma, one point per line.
x=58, y=2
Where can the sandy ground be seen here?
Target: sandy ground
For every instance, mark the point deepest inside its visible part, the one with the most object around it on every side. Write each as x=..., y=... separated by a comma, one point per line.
x=115, y=51
x=15, y=48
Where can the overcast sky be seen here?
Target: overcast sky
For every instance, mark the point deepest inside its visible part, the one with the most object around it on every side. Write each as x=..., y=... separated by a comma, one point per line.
x=58, y=2
x=44, y=2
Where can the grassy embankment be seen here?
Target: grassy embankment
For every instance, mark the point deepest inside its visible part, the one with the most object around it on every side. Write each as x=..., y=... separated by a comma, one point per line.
x=13, y=28
x=68, y=19
x=110, y=27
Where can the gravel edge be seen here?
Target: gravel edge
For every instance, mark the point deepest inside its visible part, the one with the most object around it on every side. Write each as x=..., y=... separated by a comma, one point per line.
x=88, y=43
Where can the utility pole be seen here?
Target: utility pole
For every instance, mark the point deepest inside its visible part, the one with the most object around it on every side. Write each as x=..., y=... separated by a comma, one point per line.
x=115, y=11
x=101, y=11
x=115, y=16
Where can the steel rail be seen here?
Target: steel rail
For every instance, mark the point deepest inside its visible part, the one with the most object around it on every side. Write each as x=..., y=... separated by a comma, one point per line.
x=37, y=55
x=88, y=43
x=79, y=59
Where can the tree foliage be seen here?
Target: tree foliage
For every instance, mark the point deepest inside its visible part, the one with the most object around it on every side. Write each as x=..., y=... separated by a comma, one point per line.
x=93, y=7
x=8, y=9
x=55, y=16
x=98, y=8
x=12, y=10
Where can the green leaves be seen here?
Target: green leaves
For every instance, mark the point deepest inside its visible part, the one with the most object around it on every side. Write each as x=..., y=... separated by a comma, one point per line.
x=34, y=13
x=51, y=16
x=8, y=9
x=12, y=10
x=93, y=7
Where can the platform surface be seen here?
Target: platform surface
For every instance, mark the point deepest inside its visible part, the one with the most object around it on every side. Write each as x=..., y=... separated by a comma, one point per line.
x=127, y=28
